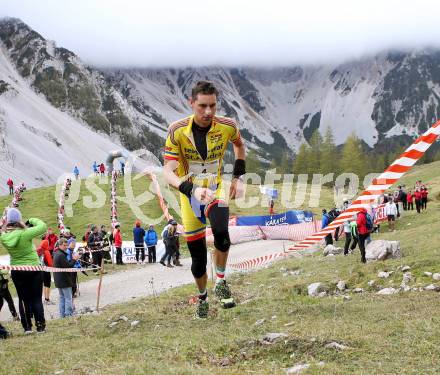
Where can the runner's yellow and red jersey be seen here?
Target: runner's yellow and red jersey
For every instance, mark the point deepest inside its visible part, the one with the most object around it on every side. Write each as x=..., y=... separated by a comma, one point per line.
x=180, y=146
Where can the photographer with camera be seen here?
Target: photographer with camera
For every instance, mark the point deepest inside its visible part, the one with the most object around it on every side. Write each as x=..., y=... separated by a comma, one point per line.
x=17, y=238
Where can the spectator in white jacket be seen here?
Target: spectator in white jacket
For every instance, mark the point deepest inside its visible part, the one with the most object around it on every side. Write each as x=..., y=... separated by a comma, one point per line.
x=391, y=213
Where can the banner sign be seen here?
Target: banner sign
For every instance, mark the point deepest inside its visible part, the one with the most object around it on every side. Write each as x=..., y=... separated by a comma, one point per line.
x=289, y=217
x=129, y=252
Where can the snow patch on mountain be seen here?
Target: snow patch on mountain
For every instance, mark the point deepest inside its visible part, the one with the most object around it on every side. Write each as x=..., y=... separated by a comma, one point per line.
x=39, y=142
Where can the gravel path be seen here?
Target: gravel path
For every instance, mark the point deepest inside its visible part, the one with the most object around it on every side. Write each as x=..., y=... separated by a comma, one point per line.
x=132, y=283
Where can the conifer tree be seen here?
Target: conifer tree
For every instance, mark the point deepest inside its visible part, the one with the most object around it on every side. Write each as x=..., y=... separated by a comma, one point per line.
x=301, y=160
x=329, y=154
x=314, y=161
x=353, y=159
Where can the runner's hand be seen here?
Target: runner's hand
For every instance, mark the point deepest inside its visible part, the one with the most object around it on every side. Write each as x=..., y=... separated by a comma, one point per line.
x=204, y=195
x=237, y=189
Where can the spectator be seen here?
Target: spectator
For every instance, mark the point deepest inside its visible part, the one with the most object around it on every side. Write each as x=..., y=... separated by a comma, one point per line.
x=138, y=239
x=52, y=239
x=71, y=244
x=122, y=164
x=64, y=280
x=117, y=239
x=76, y=172
x=5, y=294
x=424, y=198
x=402, y=198
x=176, y=255
x=410, y=200
x=348, y=237
x=10, y=184
x=418, y=199
x=105, y=244
x=102, y=169
x=87, y=233
x=46, y=259
x=363, y=232
x=391, y=213
x=150, y=240
x=170, y=239
x=17, y=239
x=271, y=205
x=94, y=243
x=324, y=223
x=67, y=234
x=95, y=168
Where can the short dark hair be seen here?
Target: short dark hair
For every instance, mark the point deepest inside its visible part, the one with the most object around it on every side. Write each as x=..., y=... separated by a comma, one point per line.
x=62, y=241
x=204, y=88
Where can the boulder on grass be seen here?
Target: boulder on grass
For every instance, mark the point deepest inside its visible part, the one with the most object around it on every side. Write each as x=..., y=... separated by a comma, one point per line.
x=332, y=250
x=382, y=250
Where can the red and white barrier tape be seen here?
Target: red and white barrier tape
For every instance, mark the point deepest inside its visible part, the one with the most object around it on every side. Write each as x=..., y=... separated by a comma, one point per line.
x=256, y=262
x=114, y=212
x=389, y=177
x=60, y=217
x=45, y=268
x=14, y=203
x=84, y=250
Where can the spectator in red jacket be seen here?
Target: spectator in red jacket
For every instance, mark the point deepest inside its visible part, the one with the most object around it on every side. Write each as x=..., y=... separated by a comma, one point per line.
x=418, y=199
x=52, y=239
x=363, y=232
x=46, y=260
x=424, y=196
x=102, y=169
x=10, y=183
x=410, y=200
x=117, y=239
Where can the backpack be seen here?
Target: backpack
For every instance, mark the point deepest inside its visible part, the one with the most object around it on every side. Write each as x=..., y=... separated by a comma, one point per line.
x=369, y=222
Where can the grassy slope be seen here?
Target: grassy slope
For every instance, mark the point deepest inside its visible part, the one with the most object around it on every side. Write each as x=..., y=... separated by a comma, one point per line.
x=388, y=334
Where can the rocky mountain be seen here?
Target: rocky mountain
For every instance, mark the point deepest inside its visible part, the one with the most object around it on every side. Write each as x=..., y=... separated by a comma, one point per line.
x=380, y=98
x=385, y=99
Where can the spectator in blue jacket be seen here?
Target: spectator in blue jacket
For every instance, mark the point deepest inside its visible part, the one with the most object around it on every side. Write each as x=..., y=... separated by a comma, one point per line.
x=76, y=172
x=324, y=223
x=138, y=238
x=71, y=244
x=95, y=168
x=150, y=240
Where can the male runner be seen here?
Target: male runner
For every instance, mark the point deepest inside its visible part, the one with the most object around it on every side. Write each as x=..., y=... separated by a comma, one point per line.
x=193, y=161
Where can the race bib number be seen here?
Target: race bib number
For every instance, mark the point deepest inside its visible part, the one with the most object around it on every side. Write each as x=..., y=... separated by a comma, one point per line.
x=204, y=172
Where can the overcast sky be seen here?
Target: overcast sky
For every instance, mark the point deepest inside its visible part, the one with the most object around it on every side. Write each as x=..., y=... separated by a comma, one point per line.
x=229, y=32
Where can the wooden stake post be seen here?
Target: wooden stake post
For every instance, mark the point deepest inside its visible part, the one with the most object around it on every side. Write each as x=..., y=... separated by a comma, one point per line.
x=101, y=271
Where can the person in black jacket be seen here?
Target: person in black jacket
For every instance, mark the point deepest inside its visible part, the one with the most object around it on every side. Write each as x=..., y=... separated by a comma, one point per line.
x=171, y=238
x=5, y=294
x=94, y=242
x=138, y=239
x=63, y=280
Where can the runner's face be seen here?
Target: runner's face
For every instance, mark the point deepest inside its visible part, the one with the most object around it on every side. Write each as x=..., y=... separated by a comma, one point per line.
x=204, y=108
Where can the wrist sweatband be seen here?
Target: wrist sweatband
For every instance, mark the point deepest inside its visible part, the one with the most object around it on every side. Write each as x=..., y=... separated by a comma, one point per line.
x=239, y=168
x=186, y=187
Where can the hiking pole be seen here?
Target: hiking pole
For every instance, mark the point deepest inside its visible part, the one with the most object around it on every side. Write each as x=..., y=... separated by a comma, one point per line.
x=99, y=284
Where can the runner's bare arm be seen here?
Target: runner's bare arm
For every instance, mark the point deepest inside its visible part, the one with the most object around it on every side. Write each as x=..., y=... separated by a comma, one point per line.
x=203, y=195
x=237, y=189
x=239, y=150
x=168, y=172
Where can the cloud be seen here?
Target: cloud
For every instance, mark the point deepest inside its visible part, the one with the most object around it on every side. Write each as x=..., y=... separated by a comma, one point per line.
x=228, y=32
